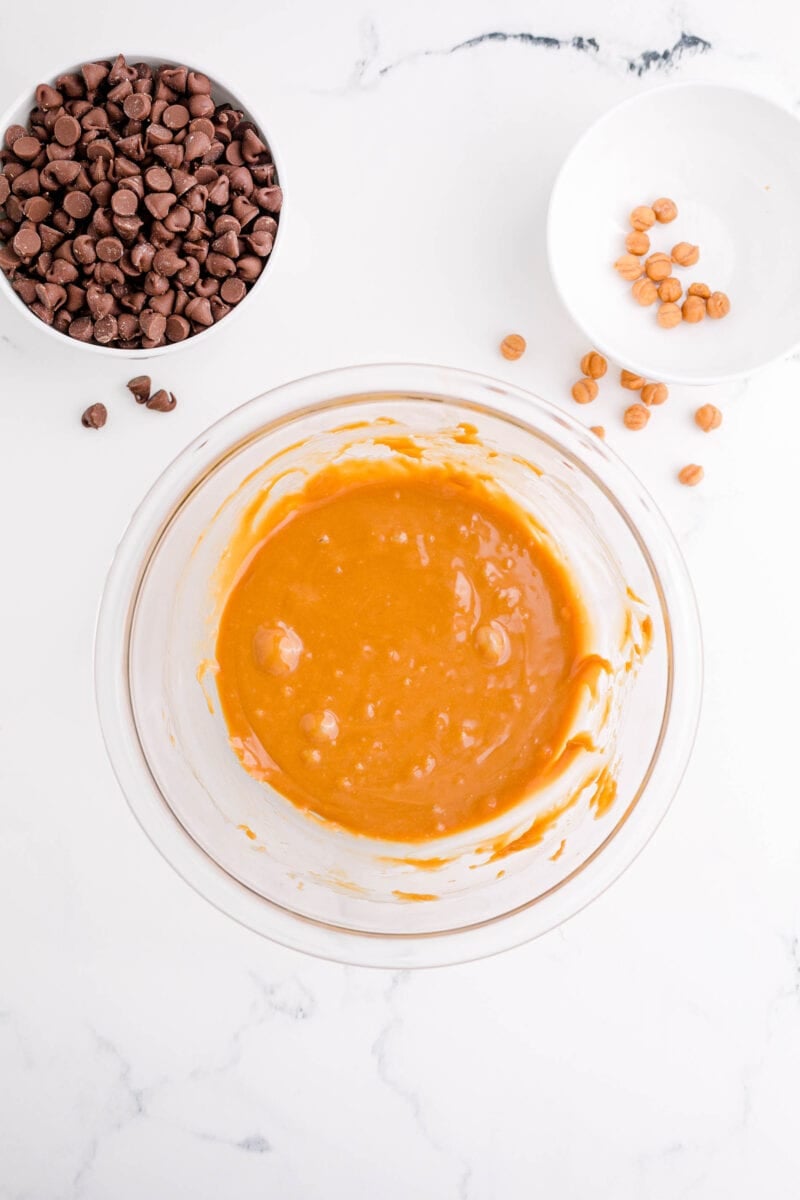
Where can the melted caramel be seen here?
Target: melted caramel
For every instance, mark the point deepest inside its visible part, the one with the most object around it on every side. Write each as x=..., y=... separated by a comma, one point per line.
x=401, y=652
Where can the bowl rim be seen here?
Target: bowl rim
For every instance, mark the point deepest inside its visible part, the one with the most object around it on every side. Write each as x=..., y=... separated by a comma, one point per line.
x=282, y=405
x=217, y=81
x=691, y=379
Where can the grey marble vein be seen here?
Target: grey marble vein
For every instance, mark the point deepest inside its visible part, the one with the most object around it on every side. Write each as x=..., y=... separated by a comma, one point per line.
x=664, y=60
x=367, y=68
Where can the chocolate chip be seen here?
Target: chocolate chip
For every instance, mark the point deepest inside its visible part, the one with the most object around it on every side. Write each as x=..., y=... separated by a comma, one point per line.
x=153, y=324
x=260, y=243
x=174, y=78
x=110, y=249
x=36, y=209
x=233, y=291
x=158, y=204
x=196, y=144
x=178, y=328
x=77, y=204
x=137, y=106
x=176, y=116
x=157, y=179
x=27, y=243
x=199, y=311
x=167, y=262
x=105, y=329
x=249, y=268
x=27, y=148
x=27, y=184
x=162, y=401
x=82, y=329
x=128, y=326
x=85, y=249
x=139, y=387
x=95, y=416
x=220, y=265
x=67, y=130
x=93, y=76
x=201, y=106
x=124, y=202
x=125, y=215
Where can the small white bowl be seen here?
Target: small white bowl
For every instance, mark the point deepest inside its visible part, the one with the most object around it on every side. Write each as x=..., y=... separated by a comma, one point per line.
x=731, y=162
x=17, y=114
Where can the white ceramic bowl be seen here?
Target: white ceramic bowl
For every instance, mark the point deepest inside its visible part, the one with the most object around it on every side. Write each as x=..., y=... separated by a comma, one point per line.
x=17, y=114
x=254, y=854
x=731, y=162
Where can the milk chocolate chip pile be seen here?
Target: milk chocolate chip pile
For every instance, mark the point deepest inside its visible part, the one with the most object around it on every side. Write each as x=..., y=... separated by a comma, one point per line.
x=134, y=211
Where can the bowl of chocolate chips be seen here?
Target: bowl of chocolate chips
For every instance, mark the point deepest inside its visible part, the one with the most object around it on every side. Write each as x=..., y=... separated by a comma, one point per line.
x=139, y=205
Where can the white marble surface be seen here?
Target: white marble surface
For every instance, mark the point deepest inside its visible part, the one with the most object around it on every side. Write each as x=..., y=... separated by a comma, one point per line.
x=151, y=1048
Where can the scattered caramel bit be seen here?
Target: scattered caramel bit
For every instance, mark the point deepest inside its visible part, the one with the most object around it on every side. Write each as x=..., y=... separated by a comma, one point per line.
x=691, y=475
x=718, y=305
x=658, y=266
x=685, y=254
x=636, y=417
x=670, y=290
x=699, y=289
x=645, y=291
x=693, y=309
x=637, y=242
x=594, y=365
x=665, y=210
x=598, y=431
x=643, y=218
x=708, y=417
x=669, y=315
x=654, y=393
x=629, y=267
x=631, y=381
x=513, y=346
x=584, y=391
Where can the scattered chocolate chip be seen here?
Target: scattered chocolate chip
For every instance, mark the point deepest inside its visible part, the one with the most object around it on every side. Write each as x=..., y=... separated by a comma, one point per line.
x=95, y=416
x=162, y=401
x=134, y=211
x=139, y=387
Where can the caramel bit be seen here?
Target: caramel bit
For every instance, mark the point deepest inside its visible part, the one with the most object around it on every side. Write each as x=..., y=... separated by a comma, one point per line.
x=594, y=365
x=654, y=393
x=636, y=417
x=598, y=431
x=637, y=243
x=643, y=218
x=645, y=292
x=669, y=315
x=658, y=266
x=631, y=381
x=584, y=391
x=513, y=346
x=670, y=290
x=685, y=254
x=691, y=475
x=665, y=210
x=693, y=309
x=708, y=417
x=718, y=305
x=629, y=267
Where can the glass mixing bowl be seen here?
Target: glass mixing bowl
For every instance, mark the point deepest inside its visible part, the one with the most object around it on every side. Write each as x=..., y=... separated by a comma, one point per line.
x=320, y=889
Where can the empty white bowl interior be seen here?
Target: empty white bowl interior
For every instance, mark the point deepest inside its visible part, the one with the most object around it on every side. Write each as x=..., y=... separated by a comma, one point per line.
x=262, y=840
x=222, y=94
x=731, y=162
